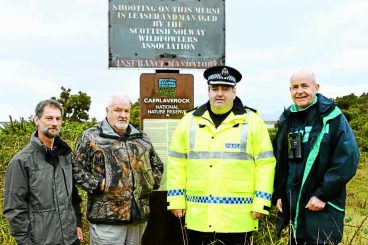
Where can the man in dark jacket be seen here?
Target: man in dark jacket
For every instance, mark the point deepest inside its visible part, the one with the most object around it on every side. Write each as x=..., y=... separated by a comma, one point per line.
x=316, y=155
x=40, y=201
x=118, y=167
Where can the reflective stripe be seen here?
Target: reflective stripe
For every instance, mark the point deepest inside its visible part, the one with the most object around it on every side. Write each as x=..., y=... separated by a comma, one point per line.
x=266, y=154
x=215, y=155
x=243, y=138
x=220, y=200
x=220, y=155
x=263, y=195
x=336, y=207
x=180, y=192
x=177, y=154
x=192, y=134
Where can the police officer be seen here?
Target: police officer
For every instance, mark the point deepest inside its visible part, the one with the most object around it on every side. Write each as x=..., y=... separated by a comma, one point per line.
x=221, y=166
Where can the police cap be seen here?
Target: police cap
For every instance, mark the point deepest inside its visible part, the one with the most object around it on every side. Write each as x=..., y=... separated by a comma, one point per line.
x=224, y=75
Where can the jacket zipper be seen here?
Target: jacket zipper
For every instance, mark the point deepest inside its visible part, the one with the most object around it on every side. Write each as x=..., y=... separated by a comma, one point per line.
x=57, y=206
x=66, y=186
x=131, y=172
x=130, y=166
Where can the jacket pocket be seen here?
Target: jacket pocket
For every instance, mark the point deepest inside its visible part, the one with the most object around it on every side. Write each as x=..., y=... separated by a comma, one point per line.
x=240, y=186
x=196, y=185
x=45, y=228
x=325, y=225
x=41, y=183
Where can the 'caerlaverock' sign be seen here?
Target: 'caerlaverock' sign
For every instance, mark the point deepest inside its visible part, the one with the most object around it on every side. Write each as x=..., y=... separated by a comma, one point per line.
x=166, y=33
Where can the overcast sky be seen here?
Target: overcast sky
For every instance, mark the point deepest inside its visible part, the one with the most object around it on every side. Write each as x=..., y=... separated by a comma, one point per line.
x=48, y=44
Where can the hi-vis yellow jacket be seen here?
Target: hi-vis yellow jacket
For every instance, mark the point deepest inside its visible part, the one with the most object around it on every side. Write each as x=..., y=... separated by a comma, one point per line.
x=220, y=175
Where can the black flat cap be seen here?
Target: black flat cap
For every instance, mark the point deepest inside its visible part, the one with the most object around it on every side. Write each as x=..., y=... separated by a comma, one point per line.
x=224, y=75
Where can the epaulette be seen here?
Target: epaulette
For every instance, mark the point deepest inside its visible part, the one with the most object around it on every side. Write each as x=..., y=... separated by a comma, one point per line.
x=254, y=110
x=193, y=109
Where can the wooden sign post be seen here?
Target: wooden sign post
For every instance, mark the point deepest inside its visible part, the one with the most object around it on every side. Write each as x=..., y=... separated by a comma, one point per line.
x=165, y=96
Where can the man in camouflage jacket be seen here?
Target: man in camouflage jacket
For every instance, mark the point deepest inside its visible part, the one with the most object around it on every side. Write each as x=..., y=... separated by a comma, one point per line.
x=118, y=167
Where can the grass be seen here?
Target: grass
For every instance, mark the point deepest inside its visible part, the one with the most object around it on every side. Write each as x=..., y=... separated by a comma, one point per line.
x=356, y=218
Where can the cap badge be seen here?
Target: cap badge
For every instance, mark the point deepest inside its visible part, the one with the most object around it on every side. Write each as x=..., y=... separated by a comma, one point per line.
x=225, y=72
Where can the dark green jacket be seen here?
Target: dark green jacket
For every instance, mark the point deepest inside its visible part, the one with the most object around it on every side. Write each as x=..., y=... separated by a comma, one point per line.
x=330, y=163
x=39, y=195
x=131, y=169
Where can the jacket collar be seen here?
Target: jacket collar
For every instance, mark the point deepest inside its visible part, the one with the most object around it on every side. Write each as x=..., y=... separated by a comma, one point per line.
x=325, y=106
x=106, y=131
x=294, y=108
x=60, y=146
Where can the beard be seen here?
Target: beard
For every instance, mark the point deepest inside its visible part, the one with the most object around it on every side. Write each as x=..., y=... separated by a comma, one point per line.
x=48, y=132
x=121, y=126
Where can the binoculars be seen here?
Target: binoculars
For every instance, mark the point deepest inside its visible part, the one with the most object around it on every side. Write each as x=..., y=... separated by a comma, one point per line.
x=295, y=146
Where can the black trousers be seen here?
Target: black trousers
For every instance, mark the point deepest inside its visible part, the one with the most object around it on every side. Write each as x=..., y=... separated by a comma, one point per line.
x=213, y=238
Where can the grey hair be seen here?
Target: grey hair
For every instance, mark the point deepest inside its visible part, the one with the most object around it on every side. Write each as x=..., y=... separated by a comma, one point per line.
x=119, y=97
x=52, y=103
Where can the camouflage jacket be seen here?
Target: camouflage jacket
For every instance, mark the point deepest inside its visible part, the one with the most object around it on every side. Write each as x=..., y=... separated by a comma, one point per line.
x=130, y=167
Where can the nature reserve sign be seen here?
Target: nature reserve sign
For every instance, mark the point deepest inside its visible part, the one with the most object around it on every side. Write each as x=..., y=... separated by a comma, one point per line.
x=166, y=33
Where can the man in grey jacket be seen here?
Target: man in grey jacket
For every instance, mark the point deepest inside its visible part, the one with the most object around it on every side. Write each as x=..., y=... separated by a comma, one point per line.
x=119, y=168
x=40, y=201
